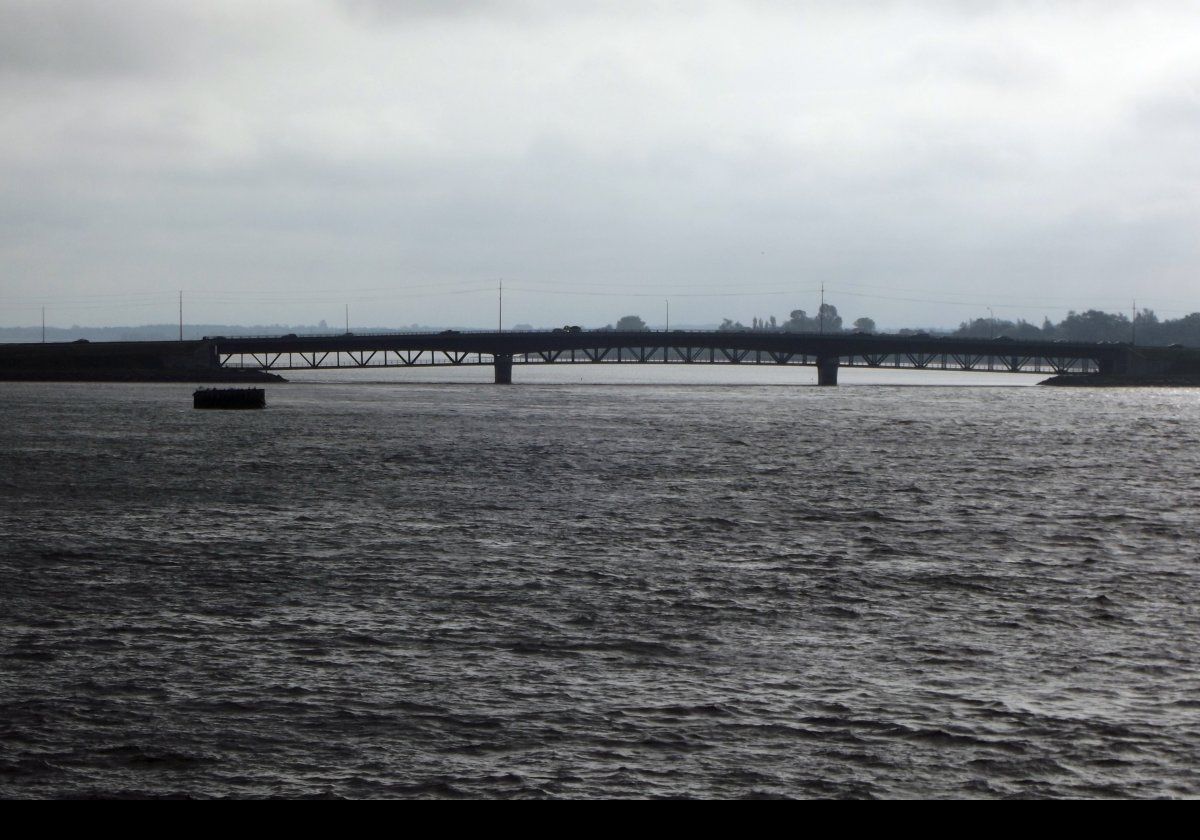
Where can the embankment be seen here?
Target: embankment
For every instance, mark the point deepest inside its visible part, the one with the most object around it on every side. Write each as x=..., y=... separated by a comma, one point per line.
x=120, y=361
x=1149, y=367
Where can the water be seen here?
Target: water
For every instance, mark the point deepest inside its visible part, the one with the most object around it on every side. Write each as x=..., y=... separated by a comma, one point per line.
x=587, y=590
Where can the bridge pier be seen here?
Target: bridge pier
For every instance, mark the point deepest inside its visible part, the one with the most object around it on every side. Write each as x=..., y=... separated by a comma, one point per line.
x=827, y=370
x=502, y=364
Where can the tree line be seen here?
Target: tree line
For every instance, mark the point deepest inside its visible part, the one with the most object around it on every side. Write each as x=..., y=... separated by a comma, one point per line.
x=1093, y=325
x=1090, y=326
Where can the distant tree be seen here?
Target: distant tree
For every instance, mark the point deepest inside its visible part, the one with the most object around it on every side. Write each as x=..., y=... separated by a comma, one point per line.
x=727, y=325
x=1094, y=325
x=866, y=325
x=1147, y=328
x=1185, y=330
x=631, y=323
x=1024, y=330
x=981, y=328
x=774, y=326
x=828, y=319
x=799, y=322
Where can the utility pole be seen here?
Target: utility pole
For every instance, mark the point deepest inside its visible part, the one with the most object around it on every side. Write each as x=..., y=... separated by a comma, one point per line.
x=500, y=315
x=668, y=315
x=821, y=311
x=43, y=325
x=181, y=314
x=991, y=323
x=1133, y=324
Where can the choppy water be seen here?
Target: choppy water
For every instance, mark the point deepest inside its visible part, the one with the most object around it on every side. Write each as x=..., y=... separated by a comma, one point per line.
x=586, y=590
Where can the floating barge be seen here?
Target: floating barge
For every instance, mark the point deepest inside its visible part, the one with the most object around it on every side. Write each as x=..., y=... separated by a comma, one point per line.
x=229, y=398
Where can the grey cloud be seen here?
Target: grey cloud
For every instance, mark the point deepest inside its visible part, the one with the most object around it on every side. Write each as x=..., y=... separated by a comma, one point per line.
x=989, y=64
x=84, y=38
x=222, y=148
x=392, y=11
x=1176, y=109
x=95, y=40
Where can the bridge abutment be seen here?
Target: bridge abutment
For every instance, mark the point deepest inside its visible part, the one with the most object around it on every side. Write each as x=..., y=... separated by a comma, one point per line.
x=503, y=367
x=827, y=370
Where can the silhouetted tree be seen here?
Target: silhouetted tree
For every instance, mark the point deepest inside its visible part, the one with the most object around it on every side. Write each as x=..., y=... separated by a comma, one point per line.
x=799, y=322
x=998, y=328
x=1094, y=325
x=631, y=323
x=866, y=325
x=828, y=319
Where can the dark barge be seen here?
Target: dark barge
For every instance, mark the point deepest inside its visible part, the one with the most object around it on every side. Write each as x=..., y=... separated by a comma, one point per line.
x=229, y=398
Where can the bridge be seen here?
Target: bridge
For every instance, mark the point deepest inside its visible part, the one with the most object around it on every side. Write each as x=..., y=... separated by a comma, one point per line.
x=826, y=352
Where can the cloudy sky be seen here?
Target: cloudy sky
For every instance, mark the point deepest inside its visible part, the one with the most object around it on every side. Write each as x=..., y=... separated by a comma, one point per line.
x=278, y=161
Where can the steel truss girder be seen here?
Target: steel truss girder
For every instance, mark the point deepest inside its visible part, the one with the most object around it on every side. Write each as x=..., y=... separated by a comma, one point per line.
x=267, y=361
x=1065, y=364
x=598, y=354
x=997, y=360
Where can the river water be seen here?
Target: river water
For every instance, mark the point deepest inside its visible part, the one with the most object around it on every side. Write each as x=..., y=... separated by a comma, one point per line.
x=601, y=582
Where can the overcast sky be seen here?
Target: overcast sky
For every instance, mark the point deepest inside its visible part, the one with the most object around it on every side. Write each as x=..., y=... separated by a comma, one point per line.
x=277, y=161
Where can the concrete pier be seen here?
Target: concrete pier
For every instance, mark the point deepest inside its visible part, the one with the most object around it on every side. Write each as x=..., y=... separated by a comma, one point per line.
x=827, y=370
x=503, y=367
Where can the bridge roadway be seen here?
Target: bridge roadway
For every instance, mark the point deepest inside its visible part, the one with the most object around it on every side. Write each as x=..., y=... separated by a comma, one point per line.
x=826, y=352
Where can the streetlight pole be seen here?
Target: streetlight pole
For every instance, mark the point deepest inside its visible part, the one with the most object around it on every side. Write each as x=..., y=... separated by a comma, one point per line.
x=992, y=323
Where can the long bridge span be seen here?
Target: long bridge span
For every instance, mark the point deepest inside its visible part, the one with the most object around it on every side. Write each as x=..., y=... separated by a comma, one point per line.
x=828, y=353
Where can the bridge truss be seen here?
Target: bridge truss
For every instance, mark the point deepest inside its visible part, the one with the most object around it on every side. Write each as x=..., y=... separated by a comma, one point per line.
x=1015, y=361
